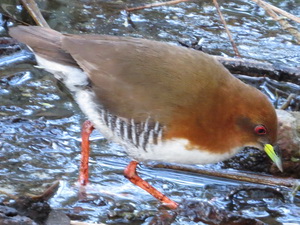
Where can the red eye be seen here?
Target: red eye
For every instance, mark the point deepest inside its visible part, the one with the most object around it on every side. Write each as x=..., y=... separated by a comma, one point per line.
x=260, y=130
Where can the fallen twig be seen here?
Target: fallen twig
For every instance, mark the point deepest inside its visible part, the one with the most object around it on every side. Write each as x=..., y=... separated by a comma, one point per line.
x=155, y=5
x=235, y=175
x=226, y=29
x=278, y=10
x=46, y=195
x=35, y=12
x=288, y=101
x=256, y=68
x=7, y=14
x=284, y=24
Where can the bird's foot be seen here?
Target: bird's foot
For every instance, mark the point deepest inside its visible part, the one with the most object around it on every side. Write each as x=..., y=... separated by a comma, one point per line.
x=131, y=174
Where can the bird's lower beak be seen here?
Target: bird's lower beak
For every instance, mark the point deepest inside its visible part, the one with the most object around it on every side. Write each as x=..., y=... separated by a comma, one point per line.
x=269, y=149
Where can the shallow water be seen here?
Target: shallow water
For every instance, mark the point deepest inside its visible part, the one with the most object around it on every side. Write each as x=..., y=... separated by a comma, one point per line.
x=40, y=123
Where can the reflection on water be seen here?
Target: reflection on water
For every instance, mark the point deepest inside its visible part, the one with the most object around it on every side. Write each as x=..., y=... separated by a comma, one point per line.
x=40, y=123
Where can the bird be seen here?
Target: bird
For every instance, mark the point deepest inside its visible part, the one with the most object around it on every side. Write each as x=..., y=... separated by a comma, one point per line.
x=161, y=101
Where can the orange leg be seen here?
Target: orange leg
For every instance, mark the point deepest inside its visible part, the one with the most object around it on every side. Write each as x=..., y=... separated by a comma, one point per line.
x=86, y=131
x=130, y=174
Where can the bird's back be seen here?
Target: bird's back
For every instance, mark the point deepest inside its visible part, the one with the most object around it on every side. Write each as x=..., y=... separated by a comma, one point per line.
x=132, y=78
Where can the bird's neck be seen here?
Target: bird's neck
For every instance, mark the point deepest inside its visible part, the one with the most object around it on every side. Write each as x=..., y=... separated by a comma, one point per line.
x=215, y=132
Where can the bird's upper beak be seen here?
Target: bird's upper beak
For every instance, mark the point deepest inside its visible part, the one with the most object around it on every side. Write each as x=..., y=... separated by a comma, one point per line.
x=269, y=149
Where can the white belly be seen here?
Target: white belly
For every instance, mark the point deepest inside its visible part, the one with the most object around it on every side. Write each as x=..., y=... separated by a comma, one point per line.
x=166, y=151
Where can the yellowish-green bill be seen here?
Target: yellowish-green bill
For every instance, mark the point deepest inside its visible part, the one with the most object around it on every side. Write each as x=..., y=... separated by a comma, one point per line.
x=275, y=158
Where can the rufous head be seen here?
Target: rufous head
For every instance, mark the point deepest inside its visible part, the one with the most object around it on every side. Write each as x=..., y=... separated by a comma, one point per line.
x=257, y=124
x=236, y=117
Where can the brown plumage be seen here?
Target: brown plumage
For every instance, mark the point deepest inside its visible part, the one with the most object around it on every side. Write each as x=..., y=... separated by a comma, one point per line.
x=189, y=93
x=137, y=78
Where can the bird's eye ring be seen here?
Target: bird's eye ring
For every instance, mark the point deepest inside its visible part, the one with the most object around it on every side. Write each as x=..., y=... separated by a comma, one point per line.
x=260, y=130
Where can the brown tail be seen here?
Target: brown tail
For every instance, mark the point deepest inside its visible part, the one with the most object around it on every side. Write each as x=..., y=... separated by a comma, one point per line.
x=45, y=42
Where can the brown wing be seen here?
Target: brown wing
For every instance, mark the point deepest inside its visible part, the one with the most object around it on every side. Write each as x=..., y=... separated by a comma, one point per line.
x=133, y=78
x=137, y=78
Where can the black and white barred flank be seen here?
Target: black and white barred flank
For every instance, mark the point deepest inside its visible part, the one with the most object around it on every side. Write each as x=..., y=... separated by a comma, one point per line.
x=140, y=134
